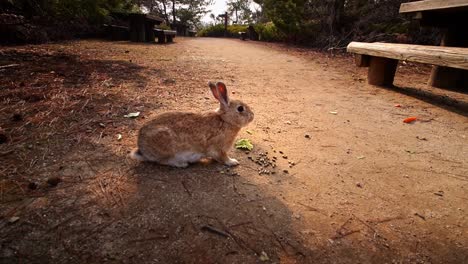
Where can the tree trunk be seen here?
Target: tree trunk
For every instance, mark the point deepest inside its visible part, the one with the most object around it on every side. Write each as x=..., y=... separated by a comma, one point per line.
x=336, y=10
x=166, y=17
x=173, y=12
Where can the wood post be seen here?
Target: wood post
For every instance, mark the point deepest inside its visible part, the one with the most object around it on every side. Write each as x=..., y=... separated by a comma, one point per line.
x=444, y=77
x=169, y=38
x=381, y=71
x=149, y=27
x=362, y=60
x=137, y=29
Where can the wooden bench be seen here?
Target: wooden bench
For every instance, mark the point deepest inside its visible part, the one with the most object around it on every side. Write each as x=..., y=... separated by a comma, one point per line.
x=382, y=58
x=115, y=32
x=165, y=35
x=243, y=35
x=192, y=33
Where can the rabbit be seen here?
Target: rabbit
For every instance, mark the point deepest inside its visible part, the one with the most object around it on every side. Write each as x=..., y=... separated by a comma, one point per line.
x=179, y=138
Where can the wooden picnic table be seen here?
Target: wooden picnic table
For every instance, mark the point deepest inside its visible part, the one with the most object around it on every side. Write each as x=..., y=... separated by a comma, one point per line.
x=142, y=27
x=451, y=16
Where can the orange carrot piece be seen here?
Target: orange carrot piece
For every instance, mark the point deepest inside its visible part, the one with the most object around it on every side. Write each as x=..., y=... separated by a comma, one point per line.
x=410, y=119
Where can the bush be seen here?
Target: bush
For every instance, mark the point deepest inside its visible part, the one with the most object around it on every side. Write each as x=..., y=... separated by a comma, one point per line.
x=269, y=32
x=218, y=31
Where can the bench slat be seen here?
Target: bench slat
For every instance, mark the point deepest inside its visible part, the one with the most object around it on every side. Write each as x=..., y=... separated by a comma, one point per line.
x=436, y=55
x=429, y=5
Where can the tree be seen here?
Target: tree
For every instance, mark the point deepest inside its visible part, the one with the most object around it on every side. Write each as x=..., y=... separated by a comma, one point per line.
x=287, y=15
x=184, y=11
x=241, y=9
x=213, y=16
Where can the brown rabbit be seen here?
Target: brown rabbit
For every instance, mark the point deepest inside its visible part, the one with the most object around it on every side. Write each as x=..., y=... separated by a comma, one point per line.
x=178, y=138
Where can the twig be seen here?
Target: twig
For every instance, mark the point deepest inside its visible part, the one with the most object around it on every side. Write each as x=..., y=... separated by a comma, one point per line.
x=6, y=153
x=340, y=234
x=214, y=231
x=63, y=222
x=420, y=216
x=312, y=209
x=149, y=238
x=240, y=224
x=8, y=66
x=186, y=189
x=384, y=220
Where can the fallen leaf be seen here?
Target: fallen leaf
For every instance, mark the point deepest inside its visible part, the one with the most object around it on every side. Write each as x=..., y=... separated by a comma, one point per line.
x=361, y=157
x=264, y=257
x=334, y=112
x=119, y=136
x=132, y=115
x=248, y=132
x=244, y=144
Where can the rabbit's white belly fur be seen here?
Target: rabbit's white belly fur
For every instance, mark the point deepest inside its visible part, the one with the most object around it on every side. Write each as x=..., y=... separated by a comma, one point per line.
x=188, y=156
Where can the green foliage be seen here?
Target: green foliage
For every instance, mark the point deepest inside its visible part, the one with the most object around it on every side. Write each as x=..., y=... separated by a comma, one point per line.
x=287, y=15
x=244, y=144
x=164, y=27
x=218, y=31
x=269, y=32
x=92, y=11
x=333, y=23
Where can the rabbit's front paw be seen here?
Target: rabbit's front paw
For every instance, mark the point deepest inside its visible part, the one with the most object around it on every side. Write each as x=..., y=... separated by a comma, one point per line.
x=231, y=162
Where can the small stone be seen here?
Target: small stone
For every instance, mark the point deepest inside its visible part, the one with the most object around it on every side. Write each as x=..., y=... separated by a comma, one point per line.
x=359, y=185
x=285, y=157
x=281, y=152
x=53, y=181
x=307, y=136
x=286, y=171
x=13, y=220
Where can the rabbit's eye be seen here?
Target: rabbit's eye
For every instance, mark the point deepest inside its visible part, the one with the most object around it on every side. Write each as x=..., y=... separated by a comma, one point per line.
x=240, y=109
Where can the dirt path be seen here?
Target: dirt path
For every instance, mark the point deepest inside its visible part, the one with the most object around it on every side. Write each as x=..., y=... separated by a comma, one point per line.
x=358, y=185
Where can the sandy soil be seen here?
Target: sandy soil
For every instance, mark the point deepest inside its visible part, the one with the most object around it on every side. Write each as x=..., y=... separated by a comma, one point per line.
x=352, y=182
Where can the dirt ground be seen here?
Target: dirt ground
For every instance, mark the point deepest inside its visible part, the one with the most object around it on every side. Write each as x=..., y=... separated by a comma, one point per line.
x=352, y=182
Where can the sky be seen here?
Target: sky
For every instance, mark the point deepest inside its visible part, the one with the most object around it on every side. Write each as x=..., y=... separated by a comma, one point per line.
x=218, y=7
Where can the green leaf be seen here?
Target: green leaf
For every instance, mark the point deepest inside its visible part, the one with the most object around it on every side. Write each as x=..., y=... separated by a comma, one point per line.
x=244, y=144
x=132, y=115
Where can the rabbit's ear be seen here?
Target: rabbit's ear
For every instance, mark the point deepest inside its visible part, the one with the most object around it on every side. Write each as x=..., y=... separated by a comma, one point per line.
x=223, y=93
x=214, y=90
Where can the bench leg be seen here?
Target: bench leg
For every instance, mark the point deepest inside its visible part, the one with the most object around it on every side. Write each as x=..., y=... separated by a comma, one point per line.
x=362, y=60
x=161, y=39
x=169, y=39
x=450, y=78
x=382, y=71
